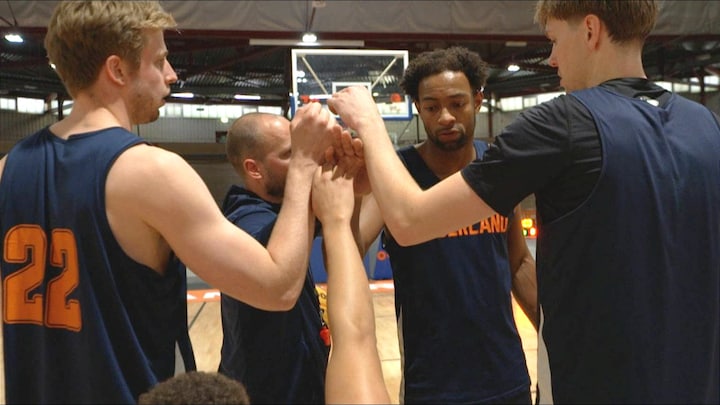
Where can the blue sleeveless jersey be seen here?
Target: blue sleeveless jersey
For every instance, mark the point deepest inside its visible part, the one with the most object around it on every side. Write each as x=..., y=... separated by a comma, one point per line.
x=629, y=282
x=458, y=336
x=278, y=355
x=82, y=321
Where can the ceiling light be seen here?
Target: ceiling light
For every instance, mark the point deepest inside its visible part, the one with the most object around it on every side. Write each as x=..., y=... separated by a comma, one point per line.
x=16, y=38
x=513, y=67
x=309, y=38
x=246, y=97
x=345, y=43
x=182, y=95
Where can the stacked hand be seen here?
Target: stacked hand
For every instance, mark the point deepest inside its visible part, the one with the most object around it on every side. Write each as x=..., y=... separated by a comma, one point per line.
x=313, y=131
x=332, y=193
x=355, y=106
x=347, y=152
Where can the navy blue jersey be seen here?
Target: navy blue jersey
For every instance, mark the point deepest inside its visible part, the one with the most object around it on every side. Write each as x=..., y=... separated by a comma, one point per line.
x=458, y=336
x=648, y=327
x=629, y=276
x=278, y=355
x=82, y=321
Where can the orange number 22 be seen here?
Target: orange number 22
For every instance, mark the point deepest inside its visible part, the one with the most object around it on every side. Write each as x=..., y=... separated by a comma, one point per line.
x=22, y=304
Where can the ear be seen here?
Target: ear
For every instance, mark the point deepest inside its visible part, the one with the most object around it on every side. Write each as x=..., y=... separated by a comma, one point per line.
x=116, y=70
x=478, y=100
x=593, y=27
x=252, y=169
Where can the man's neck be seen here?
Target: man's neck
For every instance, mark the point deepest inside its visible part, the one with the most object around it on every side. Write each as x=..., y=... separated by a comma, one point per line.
x=617, y=61
x=82, y=121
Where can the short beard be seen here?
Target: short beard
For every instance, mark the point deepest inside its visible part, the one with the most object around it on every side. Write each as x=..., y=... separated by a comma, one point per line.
x=450, y=146
x=275, y=188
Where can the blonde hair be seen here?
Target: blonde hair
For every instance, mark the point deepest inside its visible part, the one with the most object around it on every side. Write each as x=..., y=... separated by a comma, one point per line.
x=626, y=20
x=81, y=35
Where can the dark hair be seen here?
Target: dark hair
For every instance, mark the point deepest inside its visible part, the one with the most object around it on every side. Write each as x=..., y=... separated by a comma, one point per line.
x=626, y=20
x=454, y=59
x=196, y=387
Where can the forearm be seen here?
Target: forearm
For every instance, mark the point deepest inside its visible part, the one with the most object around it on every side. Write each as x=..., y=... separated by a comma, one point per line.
x=524, y=288
x=354, y=373
x=394, y=189
x=290, y=244
x=355, y=226
x=350, y=307
x=370, y=222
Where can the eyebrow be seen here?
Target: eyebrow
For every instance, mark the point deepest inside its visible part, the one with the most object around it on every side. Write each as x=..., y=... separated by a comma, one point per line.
x=457, y=95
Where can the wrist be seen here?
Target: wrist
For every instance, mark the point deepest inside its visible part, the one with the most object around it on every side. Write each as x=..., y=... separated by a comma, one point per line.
x=302, y=163
x=335, y=222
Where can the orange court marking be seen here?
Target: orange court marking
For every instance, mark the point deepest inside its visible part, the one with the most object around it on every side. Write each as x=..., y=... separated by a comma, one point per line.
x=203, y=295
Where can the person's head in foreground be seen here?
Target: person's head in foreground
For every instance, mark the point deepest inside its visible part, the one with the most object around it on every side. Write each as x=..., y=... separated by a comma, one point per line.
x=196, y=387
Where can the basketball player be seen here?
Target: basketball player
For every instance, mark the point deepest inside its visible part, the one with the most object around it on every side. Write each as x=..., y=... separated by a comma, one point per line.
x=458, y=338
x=625, y=176
x=95, y=223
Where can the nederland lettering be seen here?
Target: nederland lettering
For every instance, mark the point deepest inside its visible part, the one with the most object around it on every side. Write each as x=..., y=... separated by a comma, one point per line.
x=495, y=224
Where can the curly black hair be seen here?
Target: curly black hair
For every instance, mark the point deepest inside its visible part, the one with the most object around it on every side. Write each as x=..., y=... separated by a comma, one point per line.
x=454, y=59
x=197, y=387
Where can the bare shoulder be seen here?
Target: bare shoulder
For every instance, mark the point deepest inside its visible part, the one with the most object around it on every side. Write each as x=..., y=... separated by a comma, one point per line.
x=157, y=182
x=145, y=158
x=148, y=169
x=153, y=197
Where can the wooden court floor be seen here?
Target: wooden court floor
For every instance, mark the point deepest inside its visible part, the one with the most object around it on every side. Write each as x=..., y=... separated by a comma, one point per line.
x=206, y=335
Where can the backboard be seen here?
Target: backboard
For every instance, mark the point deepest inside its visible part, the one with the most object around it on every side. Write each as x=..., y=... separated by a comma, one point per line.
x=318, y=73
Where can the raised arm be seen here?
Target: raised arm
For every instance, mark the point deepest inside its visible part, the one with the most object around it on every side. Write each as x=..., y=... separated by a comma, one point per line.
x=412, y=215
x=354, y=372
x=522, y=269
x=173, y=204
x=367, y=221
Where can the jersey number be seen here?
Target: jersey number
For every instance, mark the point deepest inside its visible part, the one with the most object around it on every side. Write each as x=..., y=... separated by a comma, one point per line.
x=27, y=244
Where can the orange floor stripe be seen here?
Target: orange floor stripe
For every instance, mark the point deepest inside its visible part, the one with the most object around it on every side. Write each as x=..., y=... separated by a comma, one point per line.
x=211, y=295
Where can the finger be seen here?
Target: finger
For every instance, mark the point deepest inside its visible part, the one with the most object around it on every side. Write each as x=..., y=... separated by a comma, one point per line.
x=317, y=176
x=327, y=167
x=338, y=171
x=338, y=145
x=331, y=103
x=357, y=146
x=347, y=144
x=330, y=155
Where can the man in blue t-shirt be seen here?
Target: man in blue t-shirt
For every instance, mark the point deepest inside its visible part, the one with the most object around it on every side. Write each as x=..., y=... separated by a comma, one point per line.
x=625, y=176
x=280, y=356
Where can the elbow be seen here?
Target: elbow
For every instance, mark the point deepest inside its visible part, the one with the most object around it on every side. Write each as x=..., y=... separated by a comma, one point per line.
x=404, y=235
x=282, y=306
x=404, y=240
x=279, y=300
x=287, y=300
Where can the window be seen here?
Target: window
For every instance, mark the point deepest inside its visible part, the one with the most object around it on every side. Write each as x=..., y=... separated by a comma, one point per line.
x=7, y=104
x=30, y=105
